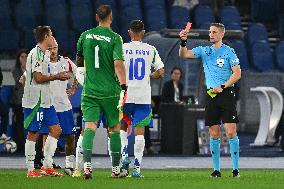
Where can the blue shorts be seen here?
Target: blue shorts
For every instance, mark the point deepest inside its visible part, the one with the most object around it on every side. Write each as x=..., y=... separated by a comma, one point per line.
x=102, y=121
x=140, y=115
x=66, y=123
x=36, y=118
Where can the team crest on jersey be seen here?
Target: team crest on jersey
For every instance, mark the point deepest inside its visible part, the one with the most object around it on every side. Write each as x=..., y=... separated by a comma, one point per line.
x=220, y=62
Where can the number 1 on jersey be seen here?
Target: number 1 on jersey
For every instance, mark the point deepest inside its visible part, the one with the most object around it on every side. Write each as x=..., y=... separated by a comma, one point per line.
x=97, y=64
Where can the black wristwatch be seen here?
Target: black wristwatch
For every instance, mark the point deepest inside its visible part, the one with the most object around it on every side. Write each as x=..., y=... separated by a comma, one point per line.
x=223, y=86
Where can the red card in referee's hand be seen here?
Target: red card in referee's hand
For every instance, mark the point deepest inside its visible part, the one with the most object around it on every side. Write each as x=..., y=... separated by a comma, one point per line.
x=188, y=26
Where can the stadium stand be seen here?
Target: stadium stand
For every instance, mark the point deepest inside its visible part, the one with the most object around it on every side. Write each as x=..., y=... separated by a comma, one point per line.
x=10, y=40
x=280, y=55
x=203, y=14
x=56, y=14
x=230, y=17
x=256, y=32
x=240, y=49
x=81, y=15
x=128, y=14
x=127, y=3
x=262, y=56
x=179, y=16
x=264, y=10
x=156, y=17
x=25, y=15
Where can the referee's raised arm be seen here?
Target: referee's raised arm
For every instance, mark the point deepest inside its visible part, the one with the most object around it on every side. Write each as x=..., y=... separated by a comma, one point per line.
x=183, y=51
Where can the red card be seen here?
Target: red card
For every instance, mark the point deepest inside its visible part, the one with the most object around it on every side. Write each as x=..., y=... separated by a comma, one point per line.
x=188, y=26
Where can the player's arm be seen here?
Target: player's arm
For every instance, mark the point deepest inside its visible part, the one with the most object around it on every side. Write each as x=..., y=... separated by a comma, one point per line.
x=40, y=78
x=158, y=74
x=120, y=71
x=236, y=76
x=183, y=51
x=73, y=88
x=158, y=65
x=80, y=60
x=80, y=55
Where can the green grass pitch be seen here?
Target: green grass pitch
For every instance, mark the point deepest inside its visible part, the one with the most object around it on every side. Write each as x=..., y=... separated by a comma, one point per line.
x=154, y=179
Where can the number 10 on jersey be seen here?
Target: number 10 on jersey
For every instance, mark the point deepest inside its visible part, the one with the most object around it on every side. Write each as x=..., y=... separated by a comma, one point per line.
x=137, y=69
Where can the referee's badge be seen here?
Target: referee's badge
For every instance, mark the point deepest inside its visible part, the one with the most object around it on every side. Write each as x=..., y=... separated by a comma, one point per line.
x=220, y=62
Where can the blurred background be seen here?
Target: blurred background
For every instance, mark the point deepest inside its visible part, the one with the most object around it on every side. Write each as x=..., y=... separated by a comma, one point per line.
x=254, y=28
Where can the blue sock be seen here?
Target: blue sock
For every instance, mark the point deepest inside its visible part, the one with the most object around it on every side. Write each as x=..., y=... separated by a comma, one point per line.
x=215, y=151
x=234, y=150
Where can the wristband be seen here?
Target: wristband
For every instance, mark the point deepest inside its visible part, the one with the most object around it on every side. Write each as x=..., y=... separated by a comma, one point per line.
x=183, y=43
x=123, y=87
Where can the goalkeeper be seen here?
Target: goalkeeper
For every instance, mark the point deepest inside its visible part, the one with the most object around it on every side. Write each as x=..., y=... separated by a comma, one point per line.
x=99, y=50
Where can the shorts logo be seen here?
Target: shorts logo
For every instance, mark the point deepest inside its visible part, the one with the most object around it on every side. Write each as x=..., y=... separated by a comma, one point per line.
x=234, y=117
x=220, y=62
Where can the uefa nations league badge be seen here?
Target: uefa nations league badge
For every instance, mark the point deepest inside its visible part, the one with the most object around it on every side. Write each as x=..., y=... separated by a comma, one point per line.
x=220, y=62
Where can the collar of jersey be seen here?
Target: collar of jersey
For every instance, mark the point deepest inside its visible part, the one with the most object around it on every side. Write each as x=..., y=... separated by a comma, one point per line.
x=103, y=27
x=136, y=42
x=215, y=49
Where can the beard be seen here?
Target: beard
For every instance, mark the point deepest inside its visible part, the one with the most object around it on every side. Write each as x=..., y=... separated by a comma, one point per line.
x=213, y=41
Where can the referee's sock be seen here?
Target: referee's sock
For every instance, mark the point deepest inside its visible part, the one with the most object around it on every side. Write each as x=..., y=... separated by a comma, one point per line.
x=234, y=150
x=215, y=151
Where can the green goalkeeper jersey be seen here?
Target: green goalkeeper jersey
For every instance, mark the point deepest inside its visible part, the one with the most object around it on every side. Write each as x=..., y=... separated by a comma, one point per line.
x=100, y=47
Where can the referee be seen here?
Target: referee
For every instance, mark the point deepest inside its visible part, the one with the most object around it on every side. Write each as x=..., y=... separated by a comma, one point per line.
x=222, y=70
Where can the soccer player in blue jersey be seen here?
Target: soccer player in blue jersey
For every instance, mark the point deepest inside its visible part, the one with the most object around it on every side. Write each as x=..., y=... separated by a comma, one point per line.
x=222, y=71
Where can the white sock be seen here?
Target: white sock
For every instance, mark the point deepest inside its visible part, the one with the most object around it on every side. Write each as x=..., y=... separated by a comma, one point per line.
x=30, y=154
x=69, y=161
x=108, y=148
x=138, y=151
x=49, y=150
x=79, y=153
x=124, y=143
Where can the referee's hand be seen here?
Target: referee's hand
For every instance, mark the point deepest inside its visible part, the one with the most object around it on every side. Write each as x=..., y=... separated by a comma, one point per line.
x=183, y=35
x=217, y=89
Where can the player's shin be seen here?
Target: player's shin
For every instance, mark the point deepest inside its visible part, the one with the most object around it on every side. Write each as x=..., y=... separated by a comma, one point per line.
x=49, y=150
x=215, y=151
x=30, y=154
x=115, y=147
x=234, y=150
x=69, y=150
x=138, y=151
x=79, y=154
x=124, y=144
x=87, y=144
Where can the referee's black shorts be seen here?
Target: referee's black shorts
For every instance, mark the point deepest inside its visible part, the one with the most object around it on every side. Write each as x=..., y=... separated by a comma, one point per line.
x=221, y=108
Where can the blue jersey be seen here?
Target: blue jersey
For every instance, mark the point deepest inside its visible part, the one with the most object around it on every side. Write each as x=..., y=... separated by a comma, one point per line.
x=217, y=63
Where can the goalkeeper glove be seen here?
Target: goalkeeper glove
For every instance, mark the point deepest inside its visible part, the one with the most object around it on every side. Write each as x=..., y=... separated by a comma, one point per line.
x=122, y=97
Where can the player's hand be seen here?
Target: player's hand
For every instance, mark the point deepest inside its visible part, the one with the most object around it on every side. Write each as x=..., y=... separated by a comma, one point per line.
x=122, y=97
x=70, y=91
x=183, y=35
x=62, y=76
x=217, y=90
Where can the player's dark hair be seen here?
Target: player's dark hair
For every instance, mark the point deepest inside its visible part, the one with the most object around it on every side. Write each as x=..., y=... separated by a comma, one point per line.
x=136, y=26
x=103, y=11
x=40, y=32
x=220, y=26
